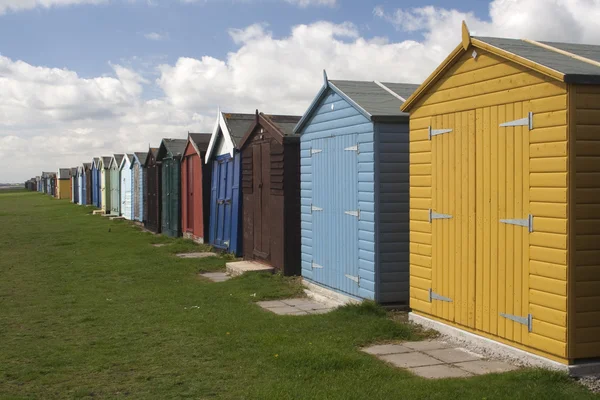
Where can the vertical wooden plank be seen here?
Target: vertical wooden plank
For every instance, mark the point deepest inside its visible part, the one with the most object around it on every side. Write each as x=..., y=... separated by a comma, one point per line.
x=493, y=284
x=501, y=283
x=526, y=210
x=471, y=241
x=446, y=208
x=464, y=236
x=479, y=261
x=510, y=213
x=485, y=134
x=571, y=219
x=458, y=217
x=452, y=211
x=435, y=225
x=519, y=232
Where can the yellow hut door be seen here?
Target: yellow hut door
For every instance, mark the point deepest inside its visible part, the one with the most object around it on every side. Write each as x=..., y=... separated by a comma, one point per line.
x=452, y=217
x=480, y=220
x=503, y=221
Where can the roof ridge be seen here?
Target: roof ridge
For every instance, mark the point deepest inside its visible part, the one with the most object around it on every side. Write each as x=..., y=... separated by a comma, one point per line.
x=390, y=91
x=563, y=52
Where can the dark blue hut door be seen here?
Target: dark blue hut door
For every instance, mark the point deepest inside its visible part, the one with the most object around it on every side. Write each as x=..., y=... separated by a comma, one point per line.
x=335, y=213
x=224, y=201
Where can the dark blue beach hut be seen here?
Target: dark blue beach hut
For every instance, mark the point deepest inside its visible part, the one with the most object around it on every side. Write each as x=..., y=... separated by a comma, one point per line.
x=225, y=202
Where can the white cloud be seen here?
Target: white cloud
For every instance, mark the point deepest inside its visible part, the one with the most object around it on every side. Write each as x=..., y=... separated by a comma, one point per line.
x=51, y=118
x=156, y=36
x=22, y=5
x=307, y=3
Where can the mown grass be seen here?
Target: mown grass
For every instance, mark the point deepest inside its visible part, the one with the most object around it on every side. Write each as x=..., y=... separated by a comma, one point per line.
x=89, y=309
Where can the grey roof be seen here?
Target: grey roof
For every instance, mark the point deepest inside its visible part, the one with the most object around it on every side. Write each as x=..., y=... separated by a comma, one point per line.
x=87, y=165
x=174, y=146
x=118, y=158
x=201, y=140
x=238, y=125
x=73, y=171
x=64, y=173
x=129, y=157
x=374, y=99
x=142, y=157
x=95, y=161
x=575, y=71
x=106, y=161
x=285, y=123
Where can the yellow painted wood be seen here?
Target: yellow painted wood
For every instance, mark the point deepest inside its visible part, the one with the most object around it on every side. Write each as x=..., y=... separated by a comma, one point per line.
x=585, y=258
x=552, y=149
x=587, y=304
x=548, y=164
x=585, y=273
x=549, y=270
x=550, y=134
x=548, y=285
x=549, y=240
x=588, y=117
x=587, y=226
x=587, y=289
x=587, y=164
x=480, y=173
x=558, y=318
x=549, y=195
x=584, y=350
x=548, y=300
x=587, y=335
x=548, y=180
x=588, y=148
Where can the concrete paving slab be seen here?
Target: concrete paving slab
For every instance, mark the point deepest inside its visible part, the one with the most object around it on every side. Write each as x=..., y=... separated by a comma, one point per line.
x=297, y=302
x=426, y=345
x=440, y=372
x=97, y=212
x=311, y=306
x=385, y=349
x=287, y=311
x=196, y=255
x=411, y=360
x=272, y=304
x=116, y=218
x=243, y=267
x=453, y=355
x=159, y=244
x=482, y=367
x=216, y=276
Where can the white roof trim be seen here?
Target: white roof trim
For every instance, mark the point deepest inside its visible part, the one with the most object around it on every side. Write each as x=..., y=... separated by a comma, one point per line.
x=124, y=161
x=220, y=126
x=390, y=91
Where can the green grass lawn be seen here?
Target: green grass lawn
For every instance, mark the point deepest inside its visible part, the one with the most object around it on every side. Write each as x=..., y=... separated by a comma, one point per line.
x=89, y=309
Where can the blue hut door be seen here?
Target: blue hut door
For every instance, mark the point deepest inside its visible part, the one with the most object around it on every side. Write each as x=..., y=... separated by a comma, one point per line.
x=224, y=178
x=335, y=213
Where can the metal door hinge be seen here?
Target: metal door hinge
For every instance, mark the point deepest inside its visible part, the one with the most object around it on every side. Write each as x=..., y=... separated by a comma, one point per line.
x=315, y=151
x=528, y=320
x=315, y=208
x=316, y=266
x=527, y=121
x=433, y=215
x=353, y=278
x=435, y=296
x=352, y=148
x=354, y=213
x=435, y=132
x=527, y=223
x=226, y=243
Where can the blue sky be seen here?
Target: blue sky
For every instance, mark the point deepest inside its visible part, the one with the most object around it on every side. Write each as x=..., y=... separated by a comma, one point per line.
x=85, y=38
x=87, y=78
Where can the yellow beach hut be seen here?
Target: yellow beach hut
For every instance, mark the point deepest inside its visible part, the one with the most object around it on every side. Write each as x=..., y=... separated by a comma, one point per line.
x=505, y=196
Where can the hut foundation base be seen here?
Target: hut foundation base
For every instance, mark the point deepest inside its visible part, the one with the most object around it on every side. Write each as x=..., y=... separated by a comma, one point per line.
x=327, y=296
x=243, y=267
x=188, y=235
x=481, y=344
x=98, y=212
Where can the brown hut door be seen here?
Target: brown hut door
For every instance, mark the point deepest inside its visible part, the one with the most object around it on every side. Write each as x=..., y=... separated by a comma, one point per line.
x=262, y=188
x=190, y=194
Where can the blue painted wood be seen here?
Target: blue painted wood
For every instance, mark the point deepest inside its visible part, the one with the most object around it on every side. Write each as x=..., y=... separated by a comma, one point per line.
x=225, y=205
x=337, y=248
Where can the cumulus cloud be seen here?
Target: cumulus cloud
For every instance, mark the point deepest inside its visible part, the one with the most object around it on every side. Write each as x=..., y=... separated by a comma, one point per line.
x=51, y=118
x=306, y=3
x=22, y=5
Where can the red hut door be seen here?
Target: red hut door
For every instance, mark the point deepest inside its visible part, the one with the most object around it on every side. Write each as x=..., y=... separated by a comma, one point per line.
x=261, y=165
x=190, y=194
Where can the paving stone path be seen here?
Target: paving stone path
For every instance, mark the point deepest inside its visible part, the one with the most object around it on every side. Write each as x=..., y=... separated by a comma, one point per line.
x=435, y=359
x=295, y=307
x=216, y=276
